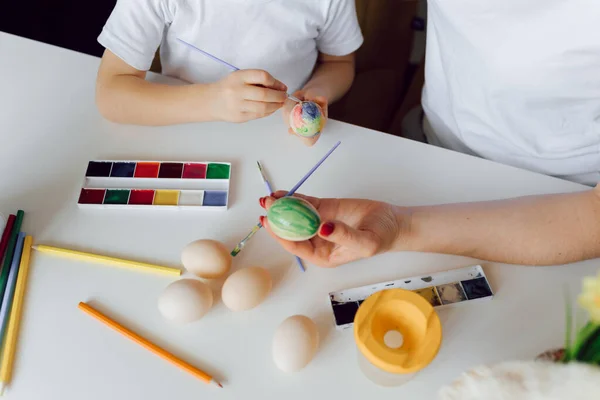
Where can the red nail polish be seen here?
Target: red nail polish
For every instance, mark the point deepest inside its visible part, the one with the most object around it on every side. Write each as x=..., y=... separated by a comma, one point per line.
x=261, y=201
x=272, y=195
x=262, y=220
x=327, y=229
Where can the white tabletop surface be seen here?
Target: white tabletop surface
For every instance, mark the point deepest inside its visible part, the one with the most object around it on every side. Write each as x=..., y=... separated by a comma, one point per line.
x=50, y=128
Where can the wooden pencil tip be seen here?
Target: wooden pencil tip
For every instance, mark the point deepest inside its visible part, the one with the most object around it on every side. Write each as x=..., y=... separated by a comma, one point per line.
x=215, y=383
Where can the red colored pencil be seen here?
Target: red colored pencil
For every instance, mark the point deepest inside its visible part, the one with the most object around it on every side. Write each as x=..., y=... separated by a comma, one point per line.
x=6, y=235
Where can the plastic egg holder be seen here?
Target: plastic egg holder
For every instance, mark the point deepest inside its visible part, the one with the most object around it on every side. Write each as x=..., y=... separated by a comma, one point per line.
x=398, y=333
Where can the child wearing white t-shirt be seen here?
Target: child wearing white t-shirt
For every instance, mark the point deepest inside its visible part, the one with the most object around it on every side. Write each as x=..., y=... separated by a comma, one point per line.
x=304, y=47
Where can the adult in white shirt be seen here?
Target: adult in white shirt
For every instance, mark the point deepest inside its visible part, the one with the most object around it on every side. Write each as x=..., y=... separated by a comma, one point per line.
x=516, y=82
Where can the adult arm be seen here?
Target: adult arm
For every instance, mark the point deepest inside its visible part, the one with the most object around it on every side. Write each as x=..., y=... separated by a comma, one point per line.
x=532, y=230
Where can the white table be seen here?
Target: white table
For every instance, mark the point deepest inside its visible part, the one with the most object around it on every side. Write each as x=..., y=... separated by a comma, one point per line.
x=50, y=128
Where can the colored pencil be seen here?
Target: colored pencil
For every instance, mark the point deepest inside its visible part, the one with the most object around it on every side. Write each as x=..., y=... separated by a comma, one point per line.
x=148, y=345
x=225, y=63
x=269, y=191
x=6, y=235
x=10, y=285
x=10, y=345
x=113, y=261
x=257, y=227
x=10, y=250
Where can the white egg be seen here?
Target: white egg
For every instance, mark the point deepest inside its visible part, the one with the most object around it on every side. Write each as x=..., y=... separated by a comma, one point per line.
x=206, y=258
x=295, y=343
x=246, y=288
x=185, y=300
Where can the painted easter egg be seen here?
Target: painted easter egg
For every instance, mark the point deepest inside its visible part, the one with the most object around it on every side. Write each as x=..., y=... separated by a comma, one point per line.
x=206, y=258
x=307, y=119
x=185, y=300
x=295, y=343
x=246, y=288
x=294, y=219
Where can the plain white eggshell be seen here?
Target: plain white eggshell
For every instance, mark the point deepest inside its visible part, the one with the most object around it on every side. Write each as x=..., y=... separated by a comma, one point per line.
x=246, y=288
x=185, y=300
x=206, y=258
x=295, y=343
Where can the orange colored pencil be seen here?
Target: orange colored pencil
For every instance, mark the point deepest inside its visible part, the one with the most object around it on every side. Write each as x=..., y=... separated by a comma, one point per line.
x=148, y=345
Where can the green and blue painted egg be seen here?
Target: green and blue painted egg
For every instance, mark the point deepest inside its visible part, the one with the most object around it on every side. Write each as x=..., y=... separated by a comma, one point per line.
x=294, y=219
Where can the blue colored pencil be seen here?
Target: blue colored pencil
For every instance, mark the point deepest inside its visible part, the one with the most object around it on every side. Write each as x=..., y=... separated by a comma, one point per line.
x=269, y=191
x=10, y=285
x=257, y=227
x=225, y=63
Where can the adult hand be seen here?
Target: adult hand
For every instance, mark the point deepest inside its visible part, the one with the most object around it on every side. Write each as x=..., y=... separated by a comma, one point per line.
x=245, y=95
x=350, y=229
x=314, y=95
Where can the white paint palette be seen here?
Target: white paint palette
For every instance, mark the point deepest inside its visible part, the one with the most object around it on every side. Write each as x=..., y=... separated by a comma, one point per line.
x=458, y=286
x=156, y=184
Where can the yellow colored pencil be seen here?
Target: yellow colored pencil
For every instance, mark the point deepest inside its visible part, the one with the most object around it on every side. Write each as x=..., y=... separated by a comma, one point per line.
x=148, y=345
x=117, y=262
x=10, y=344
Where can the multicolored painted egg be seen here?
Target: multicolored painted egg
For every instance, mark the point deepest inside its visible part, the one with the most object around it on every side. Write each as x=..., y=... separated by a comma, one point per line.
x=294, y=219
x=307, y=119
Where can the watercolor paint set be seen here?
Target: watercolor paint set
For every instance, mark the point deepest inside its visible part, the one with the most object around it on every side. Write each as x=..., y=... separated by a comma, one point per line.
x=156, y=184
x=458, y=286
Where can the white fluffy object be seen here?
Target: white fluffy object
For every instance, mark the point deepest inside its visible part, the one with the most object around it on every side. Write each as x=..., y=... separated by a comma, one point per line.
x=532, y=380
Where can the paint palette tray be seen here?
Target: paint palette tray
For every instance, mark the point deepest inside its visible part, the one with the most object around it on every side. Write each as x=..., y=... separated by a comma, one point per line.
x=458, y=286
x=156, y=184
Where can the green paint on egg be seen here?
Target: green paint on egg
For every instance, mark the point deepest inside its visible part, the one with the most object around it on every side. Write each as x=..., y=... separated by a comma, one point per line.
x=294, y=219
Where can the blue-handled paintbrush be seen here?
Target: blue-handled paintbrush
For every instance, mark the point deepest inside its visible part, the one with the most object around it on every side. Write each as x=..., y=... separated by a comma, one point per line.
x=257, y=227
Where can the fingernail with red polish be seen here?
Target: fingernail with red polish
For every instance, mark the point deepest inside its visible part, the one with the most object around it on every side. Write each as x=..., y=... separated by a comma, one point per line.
x=327, y=229
x=272, y=195
x=261, y=201
x=262, y=220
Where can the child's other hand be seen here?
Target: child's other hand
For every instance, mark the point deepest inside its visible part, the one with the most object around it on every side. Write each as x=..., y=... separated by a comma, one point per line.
x=245, y=95
x=305, y=95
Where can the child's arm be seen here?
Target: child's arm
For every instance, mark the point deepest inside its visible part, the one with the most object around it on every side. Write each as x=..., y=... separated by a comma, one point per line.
x=123, y=95
x=332, y=77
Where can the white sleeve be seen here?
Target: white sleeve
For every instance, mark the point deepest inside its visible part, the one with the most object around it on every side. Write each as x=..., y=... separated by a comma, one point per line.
x=135, y=29
x=341, y=33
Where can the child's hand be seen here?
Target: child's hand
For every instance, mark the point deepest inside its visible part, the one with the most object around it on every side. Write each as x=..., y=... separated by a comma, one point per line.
x=305, y=95
x=245, y=95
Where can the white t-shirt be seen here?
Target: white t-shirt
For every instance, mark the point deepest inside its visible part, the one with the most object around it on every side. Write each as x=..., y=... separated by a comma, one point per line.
x=516, y=81
x=282, y=37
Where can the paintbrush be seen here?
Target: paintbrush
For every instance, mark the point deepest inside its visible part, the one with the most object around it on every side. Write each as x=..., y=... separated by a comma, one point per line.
x=225, y=63
x=269, y=191
x=256, y=228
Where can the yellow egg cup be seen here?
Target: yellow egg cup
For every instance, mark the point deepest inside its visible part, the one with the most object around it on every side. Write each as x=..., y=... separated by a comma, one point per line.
x=405, y=312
